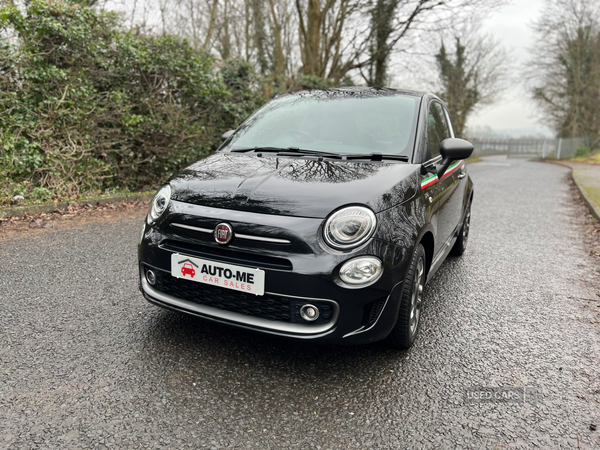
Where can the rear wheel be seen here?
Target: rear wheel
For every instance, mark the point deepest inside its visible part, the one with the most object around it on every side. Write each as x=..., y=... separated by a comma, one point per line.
x=404, y=333
x=463, y=236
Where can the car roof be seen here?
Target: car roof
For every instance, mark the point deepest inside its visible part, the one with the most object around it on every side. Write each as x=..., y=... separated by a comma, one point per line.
x=356, y=91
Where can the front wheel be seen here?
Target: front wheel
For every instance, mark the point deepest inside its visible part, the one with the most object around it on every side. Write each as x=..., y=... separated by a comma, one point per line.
x=404, y=333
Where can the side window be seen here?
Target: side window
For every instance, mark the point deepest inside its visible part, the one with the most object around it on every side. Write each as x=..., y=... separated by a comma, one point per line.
x=449, y=122
x=437, y=128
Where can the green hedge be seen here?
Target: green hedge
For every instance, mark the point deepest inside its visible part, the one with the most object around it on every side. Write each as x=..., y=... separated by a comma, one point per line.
x=86, y=106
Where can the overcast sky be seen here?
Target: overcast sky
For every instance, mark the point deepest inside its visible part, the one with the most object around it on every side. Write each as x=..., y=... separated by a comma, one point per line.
x=511, y=25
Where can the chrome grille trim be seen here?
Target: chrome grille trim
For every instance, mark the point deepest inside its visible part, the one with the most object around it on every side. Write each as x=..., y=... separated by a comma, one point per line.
x=189, y=227
x=249, y=237
x=262, y=239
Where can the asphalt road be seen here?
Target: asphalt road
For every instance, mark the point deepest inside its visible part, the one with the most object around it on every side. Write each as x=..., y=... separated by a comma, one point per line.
x=85, y=362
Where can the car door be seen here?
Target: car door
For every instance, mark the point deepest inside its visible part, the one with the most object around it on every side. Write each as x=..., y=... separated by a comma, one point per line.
x=457, y=183
x=431, y=187
x=439, y=192
x=452, y=193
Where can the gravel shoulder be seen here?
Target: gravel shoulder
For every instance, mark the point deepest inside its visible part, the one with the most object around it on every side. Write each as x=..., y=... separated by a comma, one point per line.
x=70, y=217
x=587, y=176
x=85, y=362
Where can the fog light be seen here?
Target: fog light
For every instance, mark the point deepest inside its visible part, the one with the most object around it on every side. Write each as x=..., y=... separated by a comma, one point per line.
x=361, y=271
x=151, y=277
x=309, y=313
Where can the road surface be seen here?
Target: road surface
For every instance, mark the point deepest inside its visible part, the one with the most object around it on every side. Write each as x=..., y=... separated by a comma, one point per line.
x=85, y=362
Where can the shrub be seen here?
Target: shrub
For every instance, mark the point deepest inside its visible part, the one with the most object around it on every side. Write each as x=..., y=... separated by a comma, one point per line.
x=309, y=82
x=582, y=151
x=244, y=88
x=86, y=106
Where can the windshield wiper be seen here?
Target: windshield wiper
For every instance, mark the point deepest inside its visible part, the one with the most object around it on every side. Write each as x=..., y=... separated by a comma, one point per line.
x=378, y=157
x=289, y=151
x=295, y=151
x=257, y=149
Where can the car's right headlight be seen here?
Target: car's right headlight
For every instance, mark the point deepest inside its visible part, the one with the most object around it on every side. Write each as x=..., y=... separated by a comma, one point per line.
x=349, y=227
x=361, y=271
x=159, y=204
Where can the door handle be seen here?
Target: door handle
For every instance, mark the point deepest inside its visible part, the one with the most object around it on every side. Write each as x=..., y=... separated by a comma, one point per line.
x=462, y=175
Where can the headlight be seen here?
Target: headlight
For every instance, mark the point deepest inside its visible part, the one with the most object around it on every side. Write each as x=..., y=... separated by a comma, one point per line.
x=361, y=271
x=349, y=227
x=159, y=203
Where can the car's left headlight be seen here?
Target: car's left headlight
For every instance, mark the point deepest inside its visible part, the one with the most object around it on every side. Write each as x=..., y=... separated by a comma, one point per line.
x=349, y=227
x=159, y=205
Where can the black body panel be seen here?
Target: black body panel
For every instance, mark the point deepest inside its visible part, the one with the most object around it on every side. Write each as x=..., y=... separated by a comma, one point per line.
x=289, y=186
x=277, y=207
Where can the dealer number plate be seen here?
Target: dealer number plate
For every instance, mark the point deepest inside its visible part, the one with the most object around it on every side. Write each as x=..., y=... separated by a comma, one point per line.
x=227, y=276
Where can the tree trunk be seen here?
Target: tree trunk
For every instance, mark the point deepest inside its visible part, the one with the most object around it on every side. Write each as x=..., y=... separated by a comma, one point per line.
x=279, y=67
x=211, y=24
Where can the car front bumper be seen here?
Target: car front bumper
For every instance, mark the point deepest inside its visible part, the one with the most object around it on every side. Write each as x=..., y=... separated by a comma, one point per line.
x=347, y=315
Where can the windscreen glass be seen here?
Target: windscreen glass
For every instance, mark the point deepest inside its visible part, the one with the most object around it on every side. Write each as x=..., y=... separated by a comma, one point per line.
x=348, y=124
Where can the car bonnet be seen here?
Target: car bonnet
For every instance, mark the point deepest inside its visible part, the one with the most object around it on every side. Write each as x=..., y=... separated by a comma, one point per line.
x=291, y=186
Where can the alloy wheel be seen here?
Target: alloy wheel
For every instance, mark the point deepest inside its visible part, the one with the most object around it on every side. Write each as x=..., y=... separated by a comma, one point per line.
x=466, y=227
x=417, y=297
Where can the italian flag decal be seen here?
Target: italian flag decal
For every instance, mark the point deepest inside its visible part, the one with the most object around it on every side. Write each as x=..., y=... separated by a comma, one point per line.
x=434, y=178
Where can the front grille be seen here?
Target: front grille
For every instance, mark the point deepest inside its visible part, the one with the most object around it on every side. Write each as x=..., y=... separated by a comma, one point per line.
x=268, y=306
x=228, y=255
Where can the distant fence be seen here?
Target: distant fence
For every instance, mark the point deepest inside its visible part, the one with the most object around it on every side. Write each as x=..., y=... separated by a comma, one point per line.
x=529, y=148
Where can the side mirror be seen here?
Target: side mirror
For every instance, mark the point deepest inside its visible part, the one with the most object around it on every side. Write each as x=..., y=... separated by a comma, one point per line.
x=453, y=149
x=227, y=135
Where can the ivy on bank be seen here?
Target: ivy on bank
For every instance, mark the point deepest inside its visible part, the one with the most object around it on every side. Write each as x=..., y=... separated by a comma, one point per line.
x=86, y=106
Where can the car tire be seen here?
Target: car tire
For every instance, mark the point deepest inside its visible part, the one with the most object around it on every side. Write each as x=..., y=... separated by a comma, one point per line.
x=405, y=331
x=463, y=235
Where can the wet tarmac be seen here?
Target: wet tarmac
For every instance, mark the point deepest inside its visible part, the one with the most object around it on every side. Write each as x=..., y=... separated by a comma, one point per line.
x=508, y=354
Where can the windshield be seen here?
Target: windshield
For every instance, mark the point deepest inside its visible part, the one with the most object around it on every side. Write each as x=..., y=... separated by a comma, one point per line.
x=348, y=123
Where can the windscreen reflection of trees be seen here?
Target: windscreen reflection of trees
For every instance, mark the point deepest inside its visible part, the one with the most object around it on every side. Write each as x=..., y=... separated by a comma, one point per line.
x=343, y=126
x=225, y=166
x=400, y=223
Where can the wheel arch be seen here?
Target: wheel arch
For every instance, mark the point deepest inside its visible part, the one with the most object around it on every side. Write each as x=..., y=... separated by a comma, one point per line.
x=428, y=244
x=469, y=194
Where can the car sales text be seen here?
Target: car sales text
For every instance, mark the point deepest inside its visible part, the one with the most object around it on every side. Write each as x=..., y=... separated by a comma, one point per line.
x=213, y=273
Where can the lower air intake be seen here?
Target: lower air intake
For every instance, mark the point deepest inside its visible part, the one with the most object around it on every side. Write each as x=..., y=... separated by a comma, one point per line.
x=268, y=306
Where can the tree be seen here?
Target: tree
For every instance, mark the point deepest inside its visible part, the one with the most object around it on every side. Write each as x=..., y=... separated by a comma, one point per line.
x=565, y=71
x=399, y=25
x=390, y=22
x=294, y=43
x=322, y=28
x=472, y=76
x=382, y=17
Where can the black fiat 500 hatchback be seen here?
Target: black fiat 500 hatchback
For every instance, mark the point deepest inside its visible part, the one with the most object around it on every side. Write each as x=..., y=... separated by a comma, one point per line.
x=320, y=218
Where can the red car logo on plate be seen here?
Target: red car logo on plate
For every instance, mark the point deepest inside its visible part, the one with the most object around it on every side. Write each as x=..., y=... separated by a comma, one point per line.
x=187, y=269
x=223, y=233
